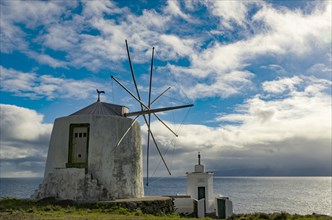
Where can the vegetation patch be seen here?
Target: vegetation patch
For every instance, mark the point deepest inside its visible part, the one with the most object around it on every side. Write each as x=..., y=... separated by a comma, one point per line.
x=16, y=209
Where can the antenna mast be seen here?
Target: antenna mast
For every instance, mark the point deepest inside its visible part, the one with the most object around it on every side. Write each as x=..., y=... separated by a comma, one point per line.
x=199, y=158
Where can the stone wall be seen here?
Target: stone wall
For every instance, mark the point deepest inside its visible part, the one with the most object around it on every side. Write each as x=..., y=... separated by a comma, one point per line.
x=155, y=205
x=149, y=205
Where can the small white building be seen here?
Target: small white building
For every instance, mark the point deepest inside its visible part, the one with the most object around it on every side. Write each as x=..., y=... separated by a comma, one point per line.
x=83, y=161
x=200, y=186
x=200, y=197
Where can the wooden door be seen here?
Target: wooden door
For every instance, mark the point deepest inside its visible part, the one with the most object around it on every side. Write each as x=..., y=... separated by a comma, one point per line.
x=78, y=145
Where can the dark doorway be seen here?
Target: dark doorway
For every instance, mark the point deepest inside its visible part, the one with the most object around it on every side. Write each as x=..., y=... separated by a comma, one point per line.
x=201, y=195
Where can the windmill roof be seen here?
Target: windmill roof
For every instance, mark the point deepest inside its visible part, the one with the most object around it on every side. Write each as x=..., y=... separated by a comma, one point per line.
x=102, y=108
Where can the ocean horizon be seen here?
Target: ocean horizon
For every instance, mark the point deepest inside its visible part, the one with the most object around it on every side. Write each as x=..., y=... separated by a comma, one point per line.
x=300, y=195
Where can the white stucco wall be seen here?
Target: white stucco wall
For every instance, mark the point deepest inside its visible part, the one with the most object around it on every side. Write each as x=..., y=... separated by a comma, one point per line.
x=118, y=170
x=197, y=179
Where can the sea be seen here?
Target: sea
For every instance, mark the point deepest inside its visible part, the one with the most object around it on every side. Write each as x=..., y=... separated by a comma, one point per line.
x=301, y=195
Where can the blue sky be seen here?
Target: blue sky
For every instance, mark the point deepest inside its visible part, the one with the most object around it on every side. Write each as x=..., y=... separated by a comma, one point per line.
x=258, y=72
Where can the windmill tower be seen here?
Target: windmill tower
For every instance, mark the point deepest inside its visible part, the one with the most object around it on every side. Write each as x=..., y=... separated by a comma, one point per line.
x=96, y=153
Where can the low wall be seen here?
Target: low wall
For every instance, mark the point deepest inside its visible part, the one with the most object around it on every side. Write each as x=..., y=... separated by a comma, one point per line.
x=149, y=205
x=184, y=204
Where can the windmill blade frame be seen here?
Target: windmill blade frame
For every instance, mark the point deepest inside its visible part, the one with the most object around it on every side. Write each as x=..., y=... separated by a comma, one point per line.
x=146, y=109
x=146, y=122
x=149, y=130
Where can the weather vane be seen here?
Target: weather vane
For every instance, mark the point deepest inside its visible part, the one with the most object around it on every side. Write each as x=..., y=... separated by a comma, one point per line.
x=98, y=92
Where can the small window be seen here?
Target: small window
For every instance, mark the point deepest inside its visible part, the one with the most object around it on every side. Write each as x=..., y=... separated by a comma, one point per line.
x=84, y=134
x=76, y=135
x=80, y=135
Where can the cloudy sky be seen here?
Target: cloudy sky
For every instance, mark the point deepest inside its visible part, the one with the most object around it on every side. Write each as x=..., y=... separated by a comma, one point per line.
x=258, y=72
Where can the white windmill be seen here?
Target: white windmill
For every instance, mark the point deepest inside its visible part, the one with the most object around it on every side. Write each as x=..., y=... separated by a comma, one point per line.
x=96, y=152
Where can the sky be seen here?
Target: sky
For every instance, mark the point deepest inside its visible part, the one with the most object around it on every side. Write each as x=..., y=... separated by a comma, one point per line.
x=258, y=73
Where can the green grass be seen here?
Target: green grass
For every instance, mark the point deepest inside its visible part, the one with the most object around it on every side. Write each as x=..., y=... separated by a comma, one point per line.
x=278, y=216
x=13, y=209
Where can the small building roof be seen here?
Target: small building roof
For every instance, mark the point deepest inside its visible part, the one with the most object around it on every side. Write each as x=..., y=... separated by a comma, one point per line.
x=102, y=108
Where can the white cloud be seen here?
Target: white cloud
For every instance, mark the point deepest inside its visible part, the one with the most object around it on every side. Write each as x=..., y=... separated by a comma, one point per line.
x=96, y=42
x=224, y=85
x=292, y=31
x=284, y=34
x=174, y=44
x=11, y=152
x=304, y=113
x=281, y=85
x=230, y=12
x=31, y=15
x=275, y=35
x=62, y=36
x=174, y=9
x=24, y=139
x=11, y=37
x=321, y=70
x=77, y=36
x=99, y=8
x=46, y=59
x=39, y=86
x=22, y=124
x=265, y=132
x=275, y=68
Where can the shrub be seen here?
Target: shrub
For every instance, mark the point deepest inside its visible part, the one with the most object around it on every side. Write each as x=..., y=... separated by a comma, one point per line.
x=279, y=216
x=263, y=216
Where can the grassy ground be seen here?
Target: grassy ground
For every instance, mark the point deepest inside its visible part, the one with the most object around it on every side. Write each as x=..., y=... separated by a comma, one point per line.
x=27, y=209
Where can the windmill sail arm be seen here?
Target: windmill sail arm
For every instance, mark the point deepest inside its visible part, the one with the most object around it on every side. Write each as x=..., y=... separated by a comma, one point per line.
x=165, y=125
x=149, y=111
x=160, y=95
x=130, y=93
x=124, y=135
x=161, y=156
x=132, y=71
